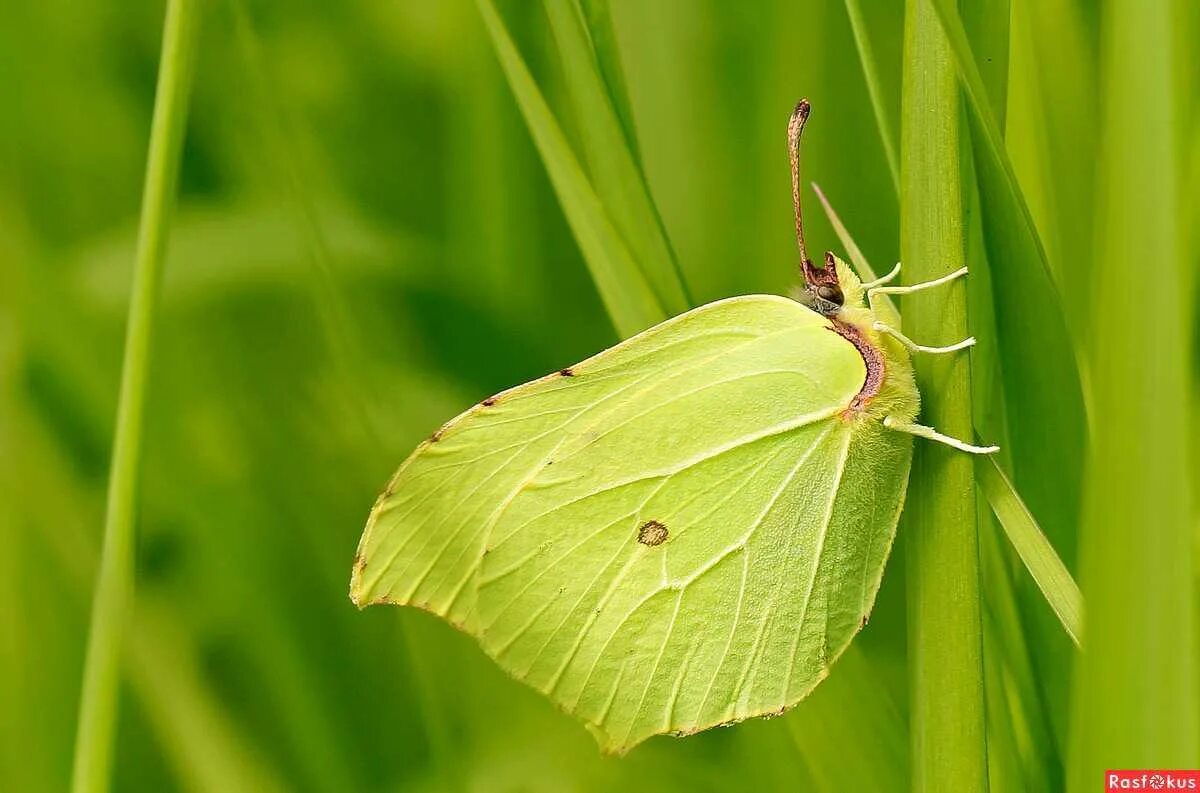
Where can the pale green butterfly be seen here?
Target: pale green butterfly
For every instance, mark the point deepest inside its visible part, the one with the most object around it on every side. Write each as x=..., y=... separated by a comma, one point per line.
x=683, y=531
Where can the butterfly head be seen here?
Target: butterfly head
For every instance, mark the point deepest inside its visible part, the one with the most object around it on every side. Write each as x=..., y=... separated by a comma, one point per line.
x=830, y=288
x=833, y=286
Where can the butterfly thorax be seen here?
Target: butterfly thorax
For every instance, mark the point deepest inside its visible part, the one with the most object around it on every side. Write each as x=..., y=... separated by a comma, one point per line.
x=888, y=386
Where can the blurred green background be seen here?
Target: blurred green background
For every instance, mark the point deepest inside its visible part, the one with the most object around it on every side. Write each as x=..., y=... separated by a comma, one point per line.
x=366, y=242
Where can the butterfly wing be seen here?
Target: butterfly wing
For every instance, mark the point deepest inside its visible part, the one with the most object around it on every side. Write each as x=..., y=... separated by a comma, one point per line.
x=679, y=532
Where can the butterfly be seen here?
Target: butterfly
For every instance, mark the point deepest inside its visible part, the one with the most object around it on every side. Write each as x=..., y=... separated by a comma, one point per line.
x=685, y=530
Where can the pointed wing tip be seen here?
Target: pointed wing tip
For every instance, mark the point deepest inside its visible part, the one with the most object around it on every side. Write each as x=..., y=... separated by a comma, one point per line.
x=362, y=597
x=357, y=597
x=360, y=594
x=610, y=747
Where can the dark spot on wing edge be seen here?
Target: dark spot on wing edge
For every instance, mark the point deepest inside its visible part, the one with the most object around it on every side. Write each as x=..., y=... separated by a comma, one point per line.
x=566, y=372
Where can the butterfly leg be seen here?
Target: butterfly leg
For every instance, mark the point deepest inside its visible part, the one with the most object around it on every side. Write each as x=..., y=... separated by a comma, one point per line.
x=878, y=282
x=905, y=290
x=914, y=347
x=921, y=431
x=875, y=288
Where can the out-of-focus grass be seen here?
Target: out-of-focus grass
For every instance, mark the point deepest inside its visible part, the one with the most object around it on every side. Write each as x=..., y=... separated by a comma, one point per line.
x=1139, y=511
x=407, y=159
x=617, y=253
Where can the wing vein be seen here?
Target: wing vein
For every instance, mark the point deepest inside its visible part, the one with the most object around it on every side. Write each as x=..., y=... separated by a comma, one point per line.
x=737, y=617
x=624, y=619
x=749, y=534
x=818, y=557
x=758, y=522
x=600, y=606
x=676, y=397
x=778, y=429
x=637, y=711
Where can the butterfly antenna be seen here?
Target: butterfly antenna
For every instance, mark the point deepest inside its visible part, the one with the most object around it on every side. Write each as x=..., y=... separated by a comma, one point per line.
x=795, y=128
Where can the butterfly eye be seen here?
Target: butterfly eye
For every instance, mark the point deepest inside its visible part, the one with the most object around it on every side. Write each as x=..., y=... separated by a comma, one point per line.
x=832, y=294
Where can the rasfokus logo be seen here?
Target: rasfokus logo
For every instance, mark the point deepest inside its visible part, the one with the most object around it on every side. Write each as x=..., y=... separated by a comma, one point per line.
x=1151, y=779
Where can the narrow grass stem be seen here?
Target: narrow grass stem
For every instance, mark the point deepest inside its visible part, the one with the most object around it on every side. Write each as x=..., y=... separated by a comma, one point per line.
x=945, y=629
x=114, y=585
x=866, y=57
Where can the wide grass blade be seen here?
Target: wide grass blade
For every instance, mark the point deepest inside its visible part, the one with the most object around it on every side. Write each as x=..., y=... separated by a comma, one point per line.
x=1014, y=701
x=613, y=167
x=1031, y=545
x=944, y=619
x=1059, y=88
x=850, y=731
x=626, y=292
x=1136, y=683
x=1033, y=636
x=1020, y=526
x=1043, y=383
x=114, y=586
x=981, y=105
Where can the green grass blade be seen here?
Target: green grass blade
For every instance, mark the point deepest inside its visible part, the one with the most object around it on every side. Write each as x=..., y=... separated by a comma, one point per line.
x=1058, y=112
x=114, y=586
x=1016, y=703
x=866, y=57
x=618, y=180
x=866, y=751
x=1021, y=528
x=600, y=26
x=598, y=16
x=625, y=291
x=987, y=26
x=1036, y=552
x=1135, y=685
x=981, y=106
x=1028, y=635
x=944, y=619
x=1043, y=383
